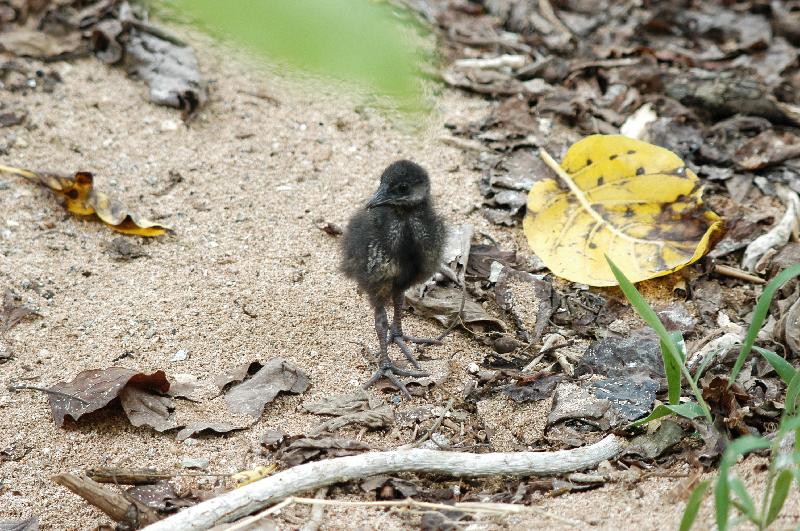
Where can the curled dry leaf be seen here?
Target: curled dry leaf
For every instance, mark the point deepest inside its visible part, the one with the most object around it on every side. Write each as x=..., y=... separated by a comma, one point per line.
x=96, y=388
x=635, y=202
x=277, y=375
x=443, y=304
x=83, y=200
x=308, y=449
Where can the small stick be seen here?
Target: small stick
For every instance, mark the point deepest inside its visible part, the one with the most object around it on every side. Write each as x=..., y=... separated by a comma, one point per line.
x=317, y=512
x=48, y=391
x=256, y=517
x=436, y=426
x=114, y=504
x=467, y=507
x=733, y=272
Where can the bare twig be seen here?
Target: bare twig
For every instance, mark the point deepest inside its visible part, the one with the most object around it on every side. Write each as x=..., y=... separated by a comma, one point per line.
x=436, y=425
x=251, y=498
x=497, y=509
x=317, y=512
x=114, y=504
x=733, y=272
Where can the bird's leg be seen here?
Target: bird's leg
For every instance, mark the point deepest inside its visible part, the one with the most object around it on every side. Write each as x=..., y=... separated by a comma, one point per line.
x=399, y=337
x=386, y=368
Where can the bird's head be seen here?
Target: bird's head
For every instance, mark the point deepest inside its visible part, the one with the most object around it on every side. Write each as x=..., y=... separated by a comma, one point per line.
x=403, y=184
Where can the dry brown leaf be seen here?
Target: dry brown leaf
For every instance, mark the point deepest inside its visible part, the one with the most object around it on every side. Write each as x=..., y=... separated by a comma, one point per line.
x=443, y=304
x=147, y=409
x=12, y=313
x=83, y=200
x=277, y=375
x=95, y=388
x=197, y=428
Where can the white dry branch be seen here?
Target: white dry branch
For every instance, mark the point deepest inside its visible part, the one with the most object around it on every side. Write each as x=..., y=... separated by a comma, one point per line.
x=777, y=235
x=251, y=498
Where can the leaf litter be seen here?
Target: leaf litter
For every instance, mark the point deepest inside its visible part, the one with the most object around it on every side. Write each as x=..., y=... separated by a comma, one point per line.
x=569, y=83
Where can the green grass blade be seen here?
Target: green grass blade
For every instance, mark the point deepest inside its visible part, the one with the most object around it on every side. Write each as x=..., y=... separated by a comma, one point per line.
x=780, y=492
x=745, y=505
x=671, y=368
x=759, y=315
x=693, y=505
x=792, y=394
x=781, y=366
x=722, y=503
x=646, y=312
x=690, y=410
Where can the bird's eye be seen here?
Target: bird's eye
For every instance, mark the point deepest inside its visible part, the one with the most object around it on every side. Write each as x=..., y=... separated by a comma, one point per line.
x=402, y=188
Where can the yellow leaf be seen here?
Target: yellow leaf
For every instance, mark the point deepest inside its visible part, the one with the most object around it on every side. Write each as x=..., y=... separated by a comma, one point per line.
x=82, y=199
x=249, y=476
x=633, y=201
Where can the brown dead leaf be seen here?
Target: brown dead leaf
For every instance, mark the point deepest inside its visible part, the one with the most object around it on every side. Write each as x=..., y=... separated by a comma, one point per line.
x=12, y=313
x=339, y=405
x=95, y=388
x=25, y=42
x=527, y=299
x=162, y=497
x=83, y=200
x=767, y=149
x=309, y=449
x=147, y=409
x=373, y=419
x=198, y=428
x=443, y=304
x=277, y=375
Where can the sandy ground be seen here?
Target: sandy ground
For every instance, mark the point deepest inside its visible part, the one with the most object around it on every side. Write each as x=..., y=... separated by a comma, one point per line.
x=256, y=176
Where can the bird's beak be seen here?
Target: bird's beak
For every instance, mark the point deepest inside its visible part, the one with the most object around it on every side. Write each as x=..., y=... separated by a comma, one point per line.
x=381, y=197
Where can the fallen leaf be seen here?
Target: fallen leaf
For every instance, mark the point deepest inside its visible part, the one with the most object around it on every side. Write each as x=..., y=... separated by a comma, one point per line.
x=538, y=389
x=199, y=428
x=373, y=419
x=246, y=477
x=636, y=203
x=12, y=313
x=527, y=298
x=147, y=409
x=443, y=304
x=95, y=388
x=339, y=405
x=29, y=524
x=652, y=445
x=162, y=497
x=25, y=42
x=767, y=149
x=308, y=449
x=83, y=200
x=389, y=488
x=277, y=375
x=169, y=69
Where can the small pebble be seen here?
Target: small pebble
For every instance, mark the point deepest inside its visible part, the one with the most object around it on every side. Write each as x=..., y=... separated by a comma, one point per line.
x=199, y=463
x=181, y=355
x=168, y=125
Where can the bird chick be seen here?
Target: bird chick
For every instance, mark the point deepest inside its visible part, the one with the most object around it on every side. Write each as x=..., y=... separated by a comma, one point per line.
x=392, y=243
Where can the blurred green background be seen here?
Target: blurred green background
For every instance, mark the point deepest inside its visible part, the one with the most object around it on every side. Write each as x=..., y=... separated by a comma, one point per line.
x=357, y=41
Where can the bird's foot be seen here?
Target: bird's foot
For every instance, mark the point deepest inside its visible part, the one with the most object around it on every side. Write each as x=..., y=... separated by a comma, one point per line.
x=402, y=341
x=390, y=371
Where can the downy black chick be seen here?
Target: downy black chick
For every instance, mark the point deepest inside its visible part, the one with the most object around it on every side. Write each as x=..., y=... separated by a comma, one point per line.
x=392, y=243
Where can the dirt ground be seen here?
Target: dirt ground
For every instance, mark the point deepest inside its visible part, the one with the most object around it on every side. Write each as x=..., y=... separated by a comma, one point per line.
x=256, y=175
